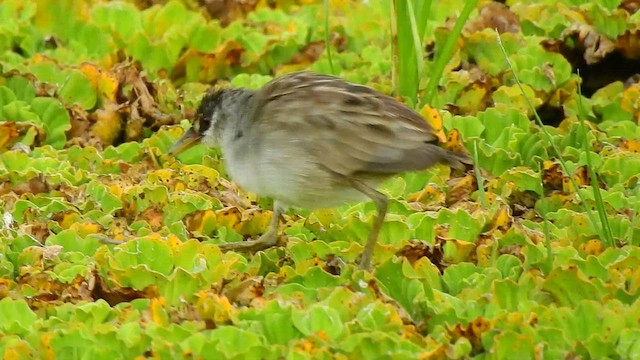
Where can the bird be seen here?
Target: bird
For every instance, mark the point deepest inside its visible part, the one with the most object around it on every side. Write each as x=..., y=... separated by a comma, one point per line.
x=310, y=140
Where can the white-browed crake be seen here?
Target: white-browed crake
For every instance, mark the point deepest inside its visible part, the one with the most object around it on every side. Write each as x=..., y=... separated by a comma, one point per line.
x=314, y=141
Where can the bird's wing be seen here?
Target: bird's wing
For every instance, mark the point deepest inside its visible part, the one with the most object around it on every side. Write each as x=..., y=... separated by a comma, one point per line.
x=348, y=128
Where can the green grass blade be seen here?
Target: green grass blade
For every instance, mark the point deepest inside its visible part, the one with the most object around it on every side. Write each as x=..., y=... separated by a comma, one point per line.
x=607, y=236
x=327, y=36
x=415, y=36
x=545, y=228
x=479, y=177
x=408, y=26
x=444, y=55
x=632, y=218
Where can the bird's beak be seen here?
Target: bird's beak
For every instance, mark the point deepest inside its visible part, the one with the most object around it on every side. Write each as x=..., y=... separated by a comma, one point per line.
x=189, y=139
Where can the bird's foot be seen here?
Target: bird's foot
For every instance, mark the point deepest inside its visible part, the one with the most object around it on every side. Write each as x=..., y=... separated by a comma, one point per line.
x=265, y=241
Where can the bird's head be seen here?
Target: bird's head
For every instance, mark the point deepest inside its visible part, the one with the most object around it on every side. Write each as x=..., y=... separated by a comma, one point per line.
x=216, y=108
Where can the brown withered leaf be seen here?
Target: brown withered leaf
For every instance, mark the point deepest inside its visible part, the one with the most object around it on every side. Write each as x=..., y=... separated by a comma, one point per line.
x=6, y=286
x=501, y=221
x=600, y=60
x=194, y=221
x=107, y=124
x=581, y=176
x=214, y=65
x=308, y=55
x=417, y=249
x=35, y=185
x=477, y=93
x=117, y=295
x=484, y=246
x=552, y=175
x=11, y=130
x=596, y=46
x=312, y=52
x=153, y=216
x=50, y=292
x=8, y=132
x=135, y=125
x=333, y=264
x=215, y=309
x=553, y=45
x=80, y=126
x=144, y=4
x=121, y=115
x=454, y=142
x=244, y=292
x=629, y=44
x=460, y=189
x=473, y=332
x=630, y=6
x=38, y=230
x=496, y=16
x=522, y=202
x=228, y=10
x=81, y=289
x=429, y=198
x=143, y=90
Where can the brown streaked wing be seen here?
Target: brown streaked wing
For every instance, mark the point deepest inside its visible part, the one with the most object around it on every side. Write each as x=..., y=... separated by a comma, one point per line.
x=349, y=128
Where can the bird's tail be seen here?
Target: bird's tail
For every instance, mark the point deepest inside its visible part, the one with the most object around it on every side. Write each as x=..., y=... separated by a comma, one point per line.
x=456, y=160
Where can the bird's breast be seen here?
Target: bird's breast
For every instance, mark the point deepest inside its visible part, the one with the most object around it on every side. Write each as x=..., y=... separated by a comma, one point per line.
x=285, y=173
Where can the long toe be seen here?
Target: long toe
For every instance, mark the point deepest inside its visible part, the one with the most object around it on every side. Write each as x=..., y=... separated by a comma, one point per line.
x=265, y=241
x=365, y=262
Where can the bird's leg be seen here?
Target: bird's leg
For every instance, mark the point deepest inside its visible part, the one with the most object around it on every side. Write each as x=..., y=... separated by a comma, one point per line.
x=267, y=240
x=381, y=202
